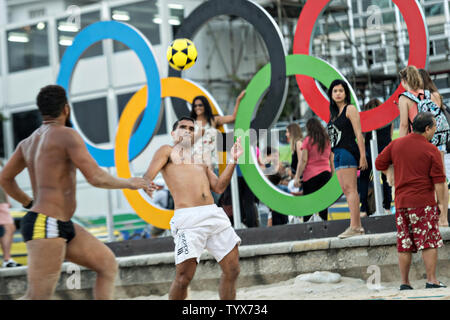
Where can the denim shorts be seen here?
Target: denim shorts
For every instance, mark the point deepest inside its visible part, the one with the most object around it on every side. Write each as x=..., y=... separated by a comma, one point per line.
x=343, y=159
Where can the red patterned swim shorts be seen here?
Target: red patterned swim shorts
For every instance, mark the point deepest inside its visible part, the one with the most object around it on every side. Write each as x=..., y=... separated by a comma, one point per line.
x=418, y=229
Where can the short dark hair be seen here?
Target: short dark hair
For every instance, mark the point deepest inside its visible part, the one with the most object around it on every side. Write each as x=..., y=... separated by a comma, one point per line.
x=175, y=125
x=51, y=100
x=422, y=121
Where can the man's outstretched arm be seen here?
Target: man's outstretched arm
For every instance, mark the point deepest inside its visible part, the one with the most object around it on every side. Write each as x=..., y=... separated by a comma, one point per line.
x=96, y=176
x=13, y=167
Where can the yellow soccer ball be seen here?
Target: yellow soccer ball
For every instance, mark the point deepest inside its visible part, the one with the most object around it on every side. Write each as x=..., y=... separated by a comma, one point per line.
x=181, y=54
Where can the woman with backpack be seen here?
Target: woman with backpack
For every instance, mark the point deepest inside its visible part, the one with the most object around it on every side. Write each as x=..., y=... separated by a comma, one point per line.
x=418, y=98
x=429, y=85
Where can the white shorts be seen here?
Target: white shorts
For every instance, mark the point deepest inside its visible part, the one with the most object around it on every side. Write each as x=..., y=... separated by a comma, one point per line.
x=198, y=228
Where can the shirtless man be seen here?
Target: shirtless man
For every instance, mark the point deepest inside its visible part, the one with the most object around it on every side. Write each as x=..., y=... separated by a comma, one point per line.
x=52, y=154
x=197, y=223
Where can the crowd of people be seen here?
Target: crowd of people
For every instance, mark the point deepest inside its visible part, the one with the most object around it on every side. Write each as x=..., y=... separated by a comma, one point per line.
x=201, y=197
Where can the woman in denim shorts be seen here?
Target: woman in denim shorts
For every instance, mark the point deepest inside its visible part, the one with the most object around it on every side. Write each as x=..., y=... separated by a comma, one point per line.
x=344, y=128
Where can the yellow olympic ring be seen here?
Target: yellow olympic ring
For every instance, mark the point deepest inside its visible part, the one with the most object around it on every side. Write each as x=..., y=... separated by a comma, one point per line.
x=170, y=87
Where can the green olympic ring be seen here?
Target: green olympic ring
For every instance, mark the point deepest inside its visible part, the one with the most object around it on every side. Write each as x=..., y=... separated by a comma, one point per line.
x=278, y=200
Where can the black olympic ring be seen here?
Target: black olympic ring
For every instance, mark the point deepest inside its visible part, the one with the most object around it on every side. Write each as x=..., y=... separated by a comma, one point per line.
x=253, y=13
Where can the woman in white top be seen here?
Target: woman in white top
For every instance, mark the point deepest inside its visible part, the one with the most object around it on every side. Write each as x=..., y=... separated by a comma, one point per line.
x=206, y=128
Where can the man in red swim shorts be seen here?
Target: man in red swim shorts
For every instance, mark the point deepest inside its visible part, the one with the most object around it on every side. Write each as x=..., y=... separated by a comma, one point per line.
x=418, y=176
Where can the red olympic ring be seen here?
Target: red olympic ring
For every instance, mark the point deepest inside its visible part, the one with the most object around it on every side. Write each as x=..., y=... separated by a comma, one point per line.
x=388, y=111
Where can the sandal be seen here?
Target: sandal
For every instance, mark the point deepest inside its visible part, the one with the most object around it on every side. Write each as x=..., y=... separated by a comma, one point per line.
x=434, y=285
x=406, y=287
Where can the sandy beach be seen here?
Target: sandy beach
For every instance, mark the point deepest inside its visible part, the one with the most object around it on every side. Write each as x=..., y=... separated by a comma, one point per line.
x=345, y=289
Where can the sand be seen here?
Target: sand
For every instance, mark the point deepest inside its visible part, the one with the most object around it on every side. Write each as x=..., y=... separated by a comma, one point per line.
x=345, y=289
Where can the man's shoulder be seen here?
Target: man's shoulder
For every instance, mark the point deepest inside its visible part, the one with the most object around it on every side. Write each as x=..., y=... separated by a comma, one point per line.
x=65, y=134
x=64, y=130
x=164, y=151
x=165, y=148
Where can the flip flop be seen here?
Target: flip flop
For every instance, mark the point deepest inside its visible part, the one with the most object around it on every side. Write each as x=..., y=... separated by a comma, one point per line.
x=406, y=287
x=434, y=285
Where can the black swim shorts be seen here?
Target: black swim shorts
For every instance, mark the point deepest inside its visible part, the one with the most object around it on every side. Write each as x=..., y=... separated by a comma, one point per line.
x=39, y=226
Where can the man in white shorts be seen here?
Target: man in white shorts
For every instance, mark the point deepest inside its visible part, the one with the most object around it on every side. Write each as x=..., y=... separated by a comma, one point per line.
x=197, y=224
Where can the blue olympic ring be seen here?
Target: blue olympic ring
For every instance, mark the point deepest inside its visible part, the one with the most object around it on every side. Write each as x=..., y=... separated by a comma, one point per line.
x=137, y=42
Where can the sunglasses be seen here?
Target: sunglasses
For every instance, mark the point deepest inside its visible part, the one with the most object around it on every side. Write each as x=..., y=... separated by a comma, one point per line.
x=198, y=105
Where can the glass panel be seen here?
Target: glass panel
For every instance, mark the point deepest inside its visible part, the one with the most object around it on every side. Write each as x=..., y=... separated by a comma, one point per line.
x=92, y=119
x=436, y=29
x=380, y=56
x=359, y=59
x=388, y=17
x=365, y=5
x=176, y=17
x=406, y=51
x=441, y=46
x=354, y=6
x=142, y=15
x=434, y=10
x=24, y=123
x=28, y=47
x=384, y=3
x=344, y=61
x=442, y=83
x=122, y=101
x=67, y=32
x=370, y=60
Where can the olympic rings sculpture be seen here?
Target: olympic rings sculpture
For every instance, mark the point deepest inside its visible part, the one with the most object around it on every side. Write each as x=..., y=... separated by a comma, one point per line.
x=271, y=78
x=137, y=42
x=418, y=56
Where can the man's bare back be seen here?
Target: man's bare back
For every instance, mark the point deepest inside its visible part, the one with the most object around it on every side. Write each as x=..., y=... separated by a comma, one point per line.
x=52, y=173
x=51, y=155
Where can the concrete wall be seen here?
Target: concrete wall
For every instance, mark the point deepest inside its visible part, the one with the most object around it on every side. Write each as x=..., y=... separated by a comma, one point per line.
x=260, y=264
